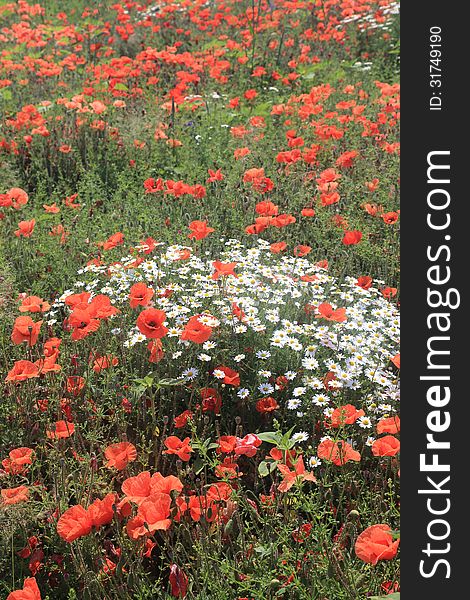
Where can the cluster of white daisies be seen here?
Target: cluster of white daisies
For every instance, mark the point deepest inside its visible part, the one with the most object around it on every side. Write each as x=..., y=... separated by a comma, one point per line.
x=279, y=334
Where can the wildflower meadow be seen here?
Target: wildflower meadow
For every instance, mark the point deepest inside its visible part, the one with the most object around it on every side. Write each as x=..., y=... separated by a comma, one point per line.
x=199, y=299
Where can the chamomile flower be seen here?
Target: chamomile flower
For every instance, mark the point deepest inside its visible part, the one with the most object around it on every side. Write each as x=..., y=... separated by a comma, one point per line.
x=190, y=374
x=290, y=375
x=209, y=345
x=266, y=388
x=294, y=403
x=300, y=436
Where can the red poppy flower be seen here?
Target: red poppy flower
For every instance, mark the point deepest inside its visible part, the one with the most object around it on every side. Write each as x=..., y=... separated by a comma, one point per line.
x=329, y=199
x=155, y=512
x=152, y=515
x=283, y=220
x=74, y=523
x=345, y=415
x=30, y=591
x=386, y=446
x=390, y=218
x=389, y=425
x=215, y=175
x=114, y=240
x=137, y=488
x=140, y=295
x=302, y=250
x=25, y=330
x=231, y=377
x=199, y=230
x=238, y=312
x=247, y=446
x=339, y=453
x=211, y=400
x=291, y=477
x=278, y=247
x=223, y=269
x=346, y=159
x=14, y=495
x=376, y=543
x=182, y=419
x=266, y=405
x=17, y=198
x=83, y=323
x=372, y=185
x=62, y=429
x=51, y=208
x=266, y=208
x=179, y=447
x=227, y=444
x=326, y=312
x=25, y=228
x=364, y=282
x=352, y=237
x=34, y=304
x=150, y=323
x=101, y=512
x=22, y=370
x=239, y=153
x=18, y=460
x=164, y=485
x=195, y=331
x=100, y=307
x=120, y=455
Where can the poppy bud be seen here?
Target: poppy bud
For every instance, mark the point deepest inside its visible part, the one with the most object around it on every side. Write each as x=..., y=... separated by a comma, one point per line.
x=229, y=527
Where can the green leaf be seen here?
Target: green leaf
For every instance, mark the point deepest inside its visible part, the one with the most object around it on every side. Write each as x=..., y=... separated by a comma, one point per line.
x=263, y=469
x=272, y=437
x=395, y=596
x=198, y=466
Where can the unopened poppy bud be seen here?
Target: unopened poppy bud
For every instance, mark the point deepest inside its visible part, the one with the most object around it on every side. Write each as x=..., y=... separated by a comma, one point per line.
x=353, y=514
x=229, y=527
x=238, y=420
x=274, y=583
x=206, y=420
x=166, y=420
